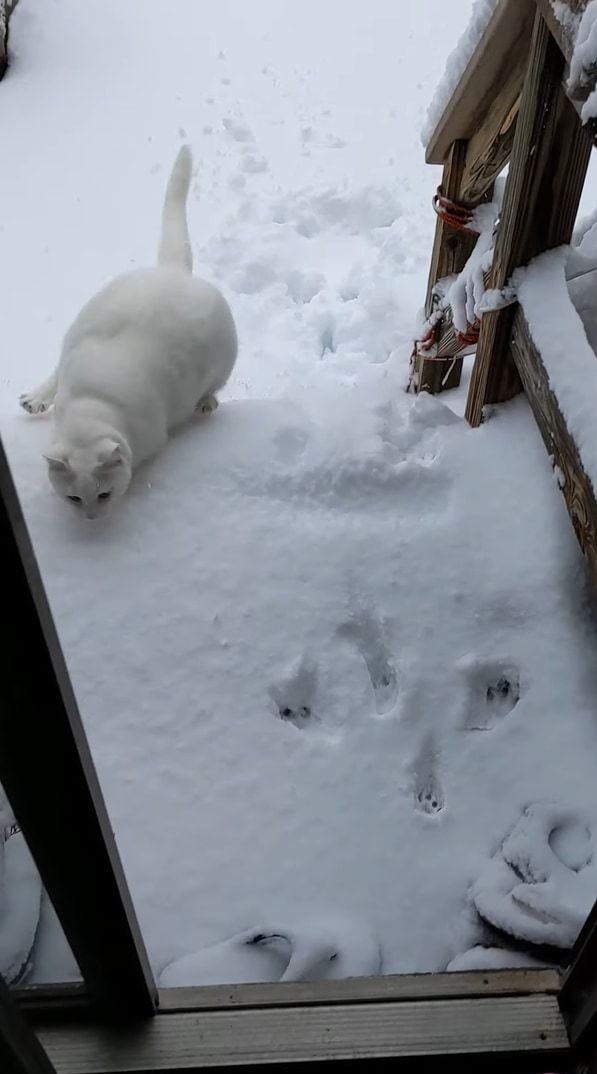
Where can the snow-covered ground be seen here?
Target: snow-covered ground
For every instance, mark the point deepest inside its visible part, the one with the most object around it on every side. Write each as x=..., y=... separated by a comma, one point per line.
x=334, y=652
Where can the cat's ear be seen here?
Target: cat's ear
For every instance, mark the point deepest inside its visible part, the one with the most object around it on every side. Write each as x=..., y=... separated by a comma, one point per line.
x=109, y=458
x=56, y=459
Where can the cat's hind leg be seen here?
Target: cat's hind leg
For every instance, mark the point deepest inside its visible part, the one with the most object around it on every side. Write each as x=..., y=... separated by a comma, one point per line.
x=41, y=398
x=207, y=404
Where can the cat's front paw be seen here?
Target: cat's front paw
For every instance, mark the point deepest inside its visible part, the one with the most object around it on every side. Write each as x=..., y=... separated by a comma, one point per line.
x=207, y=405
x=32, y=405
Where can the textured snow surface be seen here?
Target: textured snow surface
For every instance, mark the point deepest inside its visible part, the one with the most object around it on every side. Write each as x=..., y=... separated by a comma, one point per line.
x=334, y=652
x=558, y=332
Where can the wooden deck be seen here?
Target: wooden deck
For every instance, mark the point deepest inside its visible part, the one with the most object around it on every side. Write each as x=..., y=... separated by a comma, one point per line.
x=483, y=1020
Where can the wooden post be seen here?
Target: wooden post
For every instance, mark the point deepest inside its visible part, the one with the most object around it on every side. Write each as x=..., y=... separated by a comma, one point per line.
x=451, y=251
x=547, y=171
x=48, y=774
x=20, y=1050
x=473, y=141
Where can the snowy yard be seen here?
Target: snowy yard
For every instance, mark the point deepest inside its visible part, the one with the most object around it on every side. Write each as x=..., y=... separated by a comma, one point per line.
x=334, y=646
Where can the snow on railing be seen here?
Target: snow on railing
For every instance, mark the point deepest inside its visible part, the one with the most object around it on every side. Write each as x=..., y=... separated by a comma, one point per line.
x=457, y=63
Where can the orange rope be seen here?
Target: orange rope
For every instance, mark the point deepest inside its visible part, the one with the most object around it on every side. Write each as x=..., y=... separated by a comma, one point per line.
x=426, y=343
x=454, y=215
x=471, y=336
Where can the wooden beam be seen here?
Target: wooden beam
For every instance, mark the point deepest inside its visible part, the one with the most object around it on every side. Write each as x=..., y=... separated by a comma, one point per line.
x=451, y=250
x=543, y=190
x=564, y=34
x=577, y=488
x=20, y=1050
x=504, y=42
x=48, y=774
x=517, y=1034
x=390, y=989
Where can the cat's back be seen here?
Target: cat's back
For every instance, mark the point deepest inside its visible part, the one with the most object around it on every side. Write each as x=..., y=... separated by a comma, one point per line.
x=148, y=302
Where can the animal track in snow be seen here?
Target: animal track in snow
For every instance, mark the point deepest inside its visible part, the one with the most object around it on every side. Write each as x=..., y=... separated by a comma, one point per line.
x=294, y=695
x=493, y=692
x=367, y=634
x=237, y=130
x=290, y=443
x=428, y=791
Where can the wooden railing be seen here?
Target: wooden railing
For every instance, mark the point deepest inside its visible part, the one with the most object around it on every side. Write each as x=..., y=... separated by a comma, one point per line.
x=514, y=104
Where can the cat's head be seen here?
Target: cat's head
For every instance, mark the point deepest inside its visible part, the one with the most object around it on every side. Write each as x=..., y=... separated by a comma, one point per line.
x=90, y=478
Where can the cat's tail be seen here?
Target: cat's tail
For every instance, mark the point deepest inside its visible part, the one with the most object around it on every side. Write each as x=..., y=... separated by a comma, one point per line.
x=175, y=244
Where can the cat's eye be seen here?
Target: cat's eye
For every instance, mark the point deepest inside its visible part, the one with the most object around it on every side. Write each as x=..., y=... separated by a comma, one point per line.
x=104, y=495
x=75, y=499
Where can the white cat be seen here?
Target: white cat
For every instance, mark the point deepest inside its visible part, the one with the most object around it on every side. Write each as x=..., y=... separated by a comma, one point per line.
x=146, y=353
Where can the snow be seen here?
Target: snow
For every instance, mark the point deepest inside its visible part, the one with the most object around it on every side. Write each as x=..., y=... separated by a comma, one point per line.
x=467, y=293
x=540, y=885
x=567, y=18
x=20, y=895
x=457, y=64
x=312, y=949
x=558, y=332
x=583, y=64
x=334, y=645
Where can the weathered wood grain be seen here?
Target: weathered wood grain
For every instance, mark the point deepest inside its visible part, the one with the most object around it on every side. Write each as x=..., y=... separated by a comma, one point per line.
x=451, y=250
x=391, y=989
x=565, y=35
x=525, y=1032
x=547, y=170
x=489, y=150
x=506, y=38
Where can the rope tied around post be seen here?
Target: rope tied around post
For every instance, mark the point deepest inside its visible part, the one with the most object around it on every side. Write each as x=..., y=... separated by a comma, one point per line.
x=471, y=336
x=456, y=216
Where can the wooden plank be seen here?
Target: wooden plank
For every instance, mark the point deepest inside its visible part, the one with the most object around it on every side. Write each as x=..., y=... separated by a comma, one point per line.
x=406, y=987
x=564, y=33
x=507, y=36
x=499, y=1027
x=20, y=1050
x=451, y=250
x=543, y=190
x=48, y=774
x=577, y=488
x=66, y=999
x=490, y=147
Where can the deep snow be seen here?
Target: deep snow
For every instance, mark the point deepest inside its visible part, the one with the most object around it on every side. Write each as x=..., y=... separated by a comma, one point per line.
x=334, y=643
